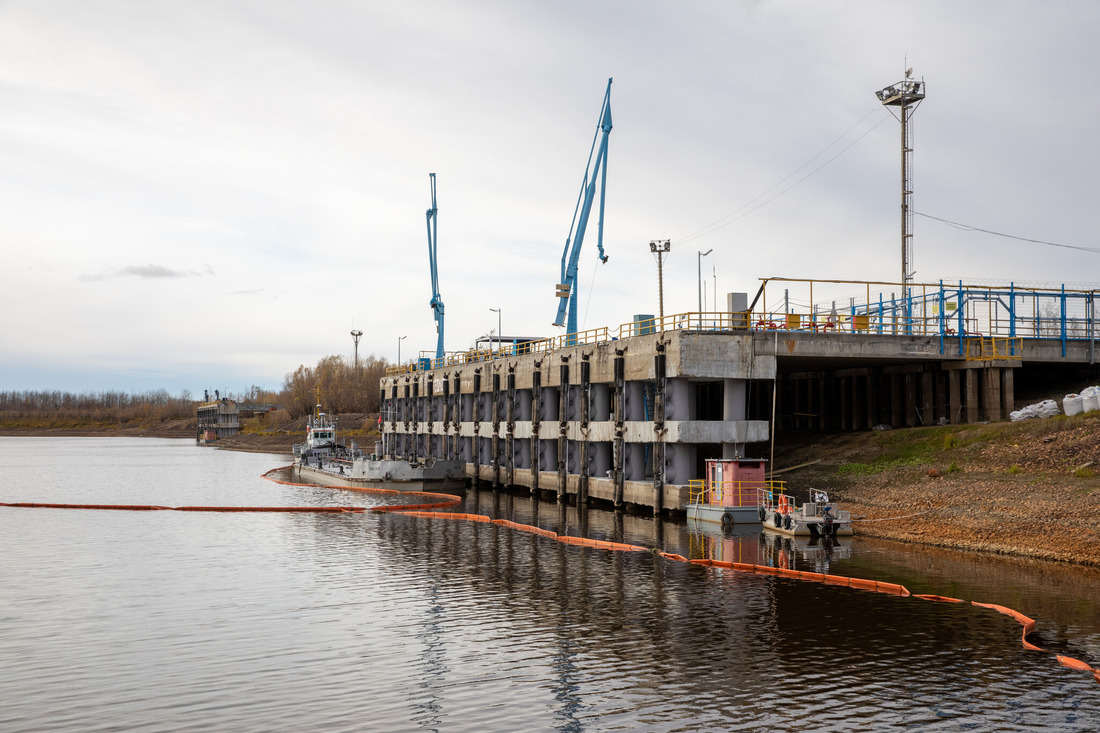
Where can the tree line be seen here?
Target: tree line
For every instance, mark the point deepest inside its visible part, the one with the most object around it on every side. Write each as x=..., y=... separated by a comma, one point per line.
x=341, y=387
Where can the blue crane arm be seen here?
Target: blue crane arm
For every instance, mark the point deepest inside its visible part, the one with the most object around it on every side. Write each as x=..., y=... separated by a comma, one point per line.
x=437, y=301
x=567, y=288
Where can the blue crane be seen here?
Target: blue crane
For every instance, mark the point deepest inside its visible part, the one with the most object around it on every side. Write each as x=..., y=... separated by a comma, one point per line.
x=437, y=301
x=567, y=288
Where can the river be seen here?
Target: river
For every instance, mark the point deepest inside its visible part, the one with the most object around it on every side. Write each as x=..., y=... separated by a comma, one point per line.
x=174, y=621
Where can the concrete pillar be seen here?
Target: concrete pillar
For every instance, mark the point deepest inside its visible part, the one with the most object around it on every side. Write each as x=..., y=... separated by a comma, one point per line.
x=939, y=391
x=910, y=399
x=991, y=384
x=510, y=429
x=844, y=386
x=972, y=396
x=734, y=407
x=563, y=418
x=659, y=431
x=871, y=401
x=585, y=408
x=475, y=443
x=896, y=391
x=618, y=413
x=1008, y=392
x=927, y=413
x=536, y=419
x=954, y=397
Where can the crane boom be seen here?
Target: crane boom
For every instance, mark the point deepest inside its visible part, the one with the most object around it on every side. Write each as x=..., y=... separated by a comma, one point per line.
x=567, y=288
x=437, y=301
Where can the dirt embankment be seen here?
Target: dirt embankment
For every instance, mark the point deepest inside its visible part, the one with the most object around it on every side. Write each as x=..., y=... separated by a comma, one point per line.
x=1028, y=488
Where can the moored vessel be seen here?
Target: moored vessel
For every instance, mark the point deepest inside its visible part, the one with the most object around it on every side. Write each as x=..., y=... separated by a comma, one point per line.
x=323, y=459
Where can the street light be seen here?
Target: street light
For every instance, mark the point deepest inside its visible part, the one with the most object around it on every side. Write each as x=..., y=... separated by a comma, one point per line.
x=497, y=311
x=399, y=338
x=700, y=261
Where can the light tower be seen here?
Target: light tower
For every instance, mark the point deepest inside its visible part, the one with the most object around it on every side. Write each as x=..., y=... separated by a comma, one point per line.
x=355, y=334
x=660, y=247
x=905, y=95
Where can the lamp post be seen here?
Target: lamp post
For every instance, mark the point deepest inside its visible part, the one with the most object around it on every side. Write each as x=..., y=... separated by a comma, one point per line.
x=497, y=311
x=399, y=339
x=660, y=247
x=700, y=261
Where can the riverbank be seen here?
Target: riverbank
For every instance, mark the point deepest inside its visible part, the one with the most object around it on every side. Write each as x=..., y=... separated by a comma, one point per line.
x=1028, y=489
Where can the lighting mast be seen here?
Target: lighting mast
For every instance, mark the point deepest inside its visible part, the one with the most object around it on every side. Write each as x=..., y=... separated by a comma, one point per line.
x=905, y=95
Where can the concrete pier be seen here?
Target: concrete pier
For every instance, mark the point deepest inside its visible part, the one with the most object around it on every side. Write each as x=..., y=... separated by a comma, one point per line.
x=626, y=421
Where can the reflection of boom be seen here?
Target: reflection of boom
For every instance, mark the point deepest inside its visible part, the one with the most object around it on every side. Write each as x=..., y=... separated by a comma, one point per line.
x=437, y=301
x=567, y=288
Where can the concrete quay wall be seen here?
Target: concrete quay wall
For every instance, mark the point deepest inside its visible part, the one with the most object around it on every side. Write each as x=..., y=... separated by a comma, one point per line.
x=625, y=421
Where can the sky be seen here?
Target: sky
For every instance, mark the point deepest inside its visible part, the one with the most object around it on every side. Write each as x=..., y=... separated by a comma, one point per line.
x=200, y=195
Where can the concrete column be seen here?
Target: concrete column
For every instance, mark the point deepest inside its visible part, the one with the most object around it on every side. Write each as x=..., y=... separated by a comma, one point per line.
x=910, y=399
x=927, y=416
x=536, y=421
x=992, y=396
x=659, y=431
x=954, y=397
x=618, y=412
x=896, y=390
x=1008, y=392
x=585, y=405
x=871, y=401
x=510, y=429
x=846, y=407
x=476, y=417
x=734, y=407
x=972, y=396
x=563, y=418
x=941, y=409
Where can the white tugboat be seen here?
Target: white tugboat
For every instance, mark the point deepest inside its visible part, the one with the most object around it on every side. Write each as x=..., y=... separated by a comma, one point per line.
x=324, y=460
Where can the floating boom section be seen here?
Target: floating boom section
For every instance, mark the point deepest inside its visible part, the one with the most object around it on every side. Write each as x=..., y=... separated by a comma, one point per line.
x=437, y=301
x=567, y=288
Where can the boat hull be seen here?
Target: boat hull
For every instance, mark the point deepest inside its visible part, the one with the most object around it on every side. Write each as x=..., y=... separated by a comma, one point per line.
x=795, y=523
x=364, y=473
x=724, y=515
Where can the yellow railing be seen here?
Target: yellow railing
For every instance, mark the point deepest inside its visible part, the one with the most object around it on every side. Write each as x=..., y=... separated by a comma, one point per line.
x=994, y=347
x=734, y=493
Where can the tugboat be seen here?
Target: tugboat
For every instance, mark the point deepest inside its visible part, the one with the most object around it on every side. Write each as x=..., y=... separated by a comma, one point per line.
x=324, y=460
x=816, y=518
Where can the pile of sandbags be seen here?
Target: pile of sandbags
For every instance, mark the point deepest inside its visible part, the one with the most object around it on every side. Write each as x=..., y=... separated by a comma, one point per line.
x=1046, y=408
x=1072, y=405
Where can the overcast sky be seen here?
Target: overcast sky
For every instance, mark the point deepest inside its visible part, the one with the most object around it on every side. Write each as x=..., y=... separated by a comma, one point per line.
x=208, y=194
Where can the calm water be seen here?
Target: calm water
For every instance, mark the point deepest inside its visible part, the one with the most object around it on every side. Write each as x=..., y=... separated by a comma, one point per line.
x=285, y=622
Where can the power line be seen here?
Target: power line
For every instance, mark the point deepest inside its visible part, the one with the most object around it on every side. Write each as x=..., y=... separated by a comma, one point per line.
x=968, y=228
x=734, y=216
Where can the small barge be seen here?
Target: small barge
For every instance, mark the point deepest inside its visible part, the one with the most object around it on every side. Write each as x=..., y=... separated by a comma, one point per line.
x=324, y=460
x=734, y=491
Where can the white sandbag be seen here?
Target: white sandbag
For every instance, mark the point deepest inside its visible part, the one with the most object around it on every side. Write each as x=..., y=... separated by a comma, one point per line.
x=1047, y=408
x=1072, y=405
x=1090, y=399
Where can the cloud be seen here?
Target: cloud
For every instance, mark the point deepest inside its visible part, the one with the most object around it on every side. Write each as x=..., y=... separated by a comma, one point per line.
x=148, y=272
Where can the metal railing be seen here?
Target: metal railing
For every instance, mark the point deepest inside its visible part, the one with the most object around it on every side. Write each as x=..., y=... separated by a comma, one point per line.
x=995, y=318
x=733, y=493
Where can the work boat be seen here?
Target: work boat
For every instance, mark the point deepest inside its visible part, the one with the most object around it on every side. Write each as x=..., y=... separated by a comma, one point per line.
x=816, y=518
x=324, y=460
x=732, y=492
